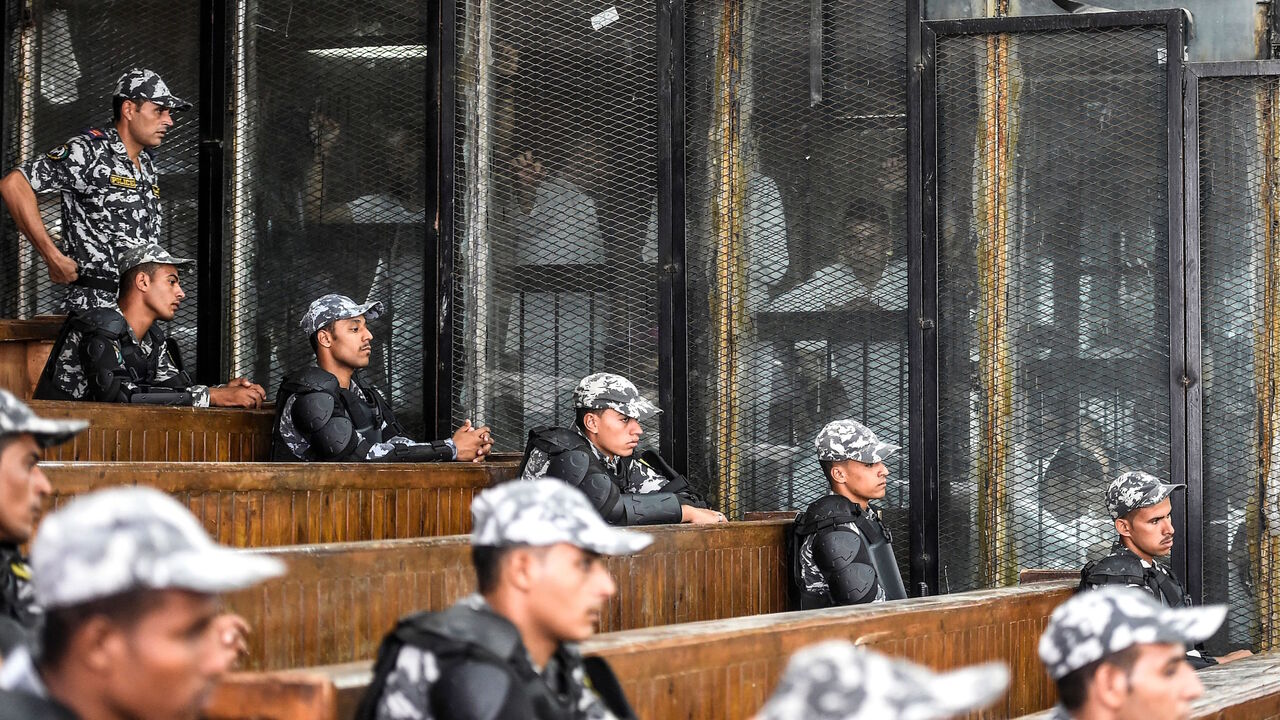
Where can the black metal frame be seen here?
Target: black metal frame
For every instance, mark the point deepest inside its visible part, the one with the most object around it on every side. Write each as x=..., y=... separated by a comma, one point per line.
x=922, y=179
x=673, y=342
x=1193, y=73
x=438, y=360
x=211, y=313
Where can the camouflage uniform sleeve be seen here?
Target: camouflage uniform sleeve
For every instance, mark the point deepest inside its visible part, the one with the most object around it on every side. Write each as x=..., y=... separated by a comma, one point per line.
x=167, y=371
x=408, y=691
x=62, y=168
x=590, y=706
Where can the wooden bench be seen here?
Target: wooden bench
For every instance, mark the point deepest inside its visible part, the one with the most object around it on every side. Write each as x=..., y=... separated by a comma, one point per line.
x=272, y=696
x=271, y=504
x=139, y=433
x=24, y=347
x=724, y=670
x=1246, y=689
x=338, y=600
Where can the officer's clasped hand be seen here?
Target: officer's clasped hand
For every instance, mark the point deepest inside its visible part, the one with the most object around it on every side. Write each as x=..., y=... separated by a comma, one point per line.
x=472, y=443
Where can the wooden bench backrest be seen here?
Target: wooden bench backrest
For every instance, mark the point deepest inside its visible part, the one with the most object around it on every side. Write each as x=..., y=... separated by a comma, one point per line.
x=337, y=601
x=24, y=347
x=140, y=433
x=271, y=504
x=724, y=670
x=273, y=696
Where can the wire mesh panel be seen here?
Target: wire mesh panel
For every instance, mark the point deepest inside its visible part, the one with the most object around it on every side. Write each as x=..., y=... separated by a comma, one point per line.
x=1239, y=211
x=326, y=172
x=1053, y=266
x=796, y=246
x=63, y=60
x=555, y=206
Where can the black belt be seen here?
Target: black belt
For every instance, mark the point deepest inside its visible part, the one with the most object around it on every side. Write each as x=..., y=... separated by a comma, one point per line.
x=98, y=282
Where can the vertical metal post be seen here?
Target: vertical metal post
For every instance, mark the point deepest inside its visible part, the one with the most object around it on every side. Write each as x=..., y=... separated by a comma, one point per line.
x=673, y=342
x=437, y=296
x=1195, y=400
x=922, y=302
x=210, y=355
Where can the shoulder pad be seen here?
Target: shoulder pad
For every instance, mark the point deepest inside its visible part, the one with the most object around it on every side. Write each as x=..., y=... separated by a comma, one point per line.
x=103, y=320
x=1123, y=568
x=311, y=411
x=559, y=438
x=477, y=690
x=827, y=512
x=313, y=379
x=470, y=626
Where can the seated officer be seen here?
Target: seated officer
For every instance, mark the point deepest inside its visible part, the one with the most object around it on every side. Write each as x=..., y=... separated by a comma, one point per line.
x=841, y=552
x=23, y=491
x=598, y=458
x=1140, y=506
x=129, y=581
x=507, y=652
x=836, y=680
x=1116, y=654
x=122, y=354
x=329, y=412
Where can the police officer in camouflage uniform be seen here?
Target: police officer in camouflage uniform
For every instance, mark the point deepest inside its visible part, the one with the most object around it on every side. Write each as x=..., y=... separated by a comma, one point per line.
x=598, y=457
x=129, y=581
x=836, y=680
x=23, y=491
x=110, y=191
x=1140, y=506
x=507, y=652
x=841, y=552
x=329, y=412
x=1116, y=654
x=122, y=353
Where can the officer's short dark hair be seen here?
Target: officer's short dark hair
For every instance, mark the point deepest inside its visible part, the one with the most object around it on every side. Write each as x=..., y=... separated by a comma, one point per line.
x=7, y=440
x=583, y=413
x=315, y=336
x=1073, y=688
x=488, y=564
x=117, y=104
x=126, y=280
x=122, y=609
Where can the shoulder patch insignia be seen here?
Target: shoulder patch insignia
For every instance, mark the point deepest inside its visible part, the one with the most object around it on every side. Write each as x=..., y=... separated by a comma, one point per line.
x=123, y=181
x=95, y=133
x=59, y=153
x=155, y=190
x=21, y=570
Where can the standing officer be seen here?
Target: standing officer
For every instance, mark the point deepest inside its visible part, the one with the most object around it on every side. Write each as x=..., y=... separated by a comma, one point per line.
x=508, y=652
x=1140, y=506
x=329, y=412
x=23, y=492
x=837, y=680
x=129, y=581
x=122, y=353
x=598, y=457
x=1115, y=654
x=110, y=191
x=840, y=548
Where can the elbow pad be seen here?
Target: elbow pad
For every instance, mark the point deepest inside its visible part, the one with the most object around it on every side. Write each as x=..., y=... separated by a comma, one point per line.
x=574, y=467
x=842, y=557
x=479, y=691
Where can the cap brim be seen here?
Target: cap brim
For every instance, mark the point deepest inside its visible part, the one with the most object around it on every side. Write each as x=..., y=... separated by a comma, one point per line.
x=1191, y=624
x=51, y=432
x=971, y=688
x=608, y=540
x=884, y=450
x=219, y=570
x=173, y=103
x=640, y=409
x=372, y=310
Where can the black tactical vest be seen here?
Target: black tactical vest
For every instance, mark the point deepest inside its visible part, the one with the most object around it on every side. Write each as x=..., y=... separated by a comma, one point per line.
x=824, y=518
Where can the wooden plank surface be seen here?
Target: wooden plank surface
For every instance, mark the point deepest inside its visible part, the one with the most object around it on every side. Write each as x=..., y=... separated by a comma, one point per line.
x=338, y=600
x=271, y=504
x=24, y=347
x=139, y=433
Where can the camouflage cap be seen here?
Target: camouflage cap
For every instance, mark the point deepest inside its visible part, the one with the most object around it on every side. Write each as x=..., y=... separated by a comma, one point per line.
x=131, y=258
x=606, y=390
x=143, y=84
x=544, y=512
x=851, y=440
x=1098, y=623
x=324, y=310
x=1133, y=490
x=134, y=538
x=16, y=418
x=837, y=680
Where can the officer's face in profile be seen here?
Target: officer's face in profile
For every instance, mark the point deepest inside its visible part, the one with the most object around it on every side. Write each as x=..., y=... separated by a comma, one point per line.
x=862, y=480
x=1160, y=686
x=1149, y=529
x=165, y=665
x=349, y=342
x=146, y=122
x=163, y=291
x=23, y=488
x=566, y=590
x=613, y=432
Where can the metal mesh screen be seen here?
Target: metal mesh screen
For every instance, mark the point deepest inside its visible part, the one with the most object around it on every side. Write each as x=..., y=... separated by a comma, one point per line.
x=555, y=223
x=63, y=61
x=326, y=178
x=796, y=246
x=1052, y=250
x=1238, y=207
